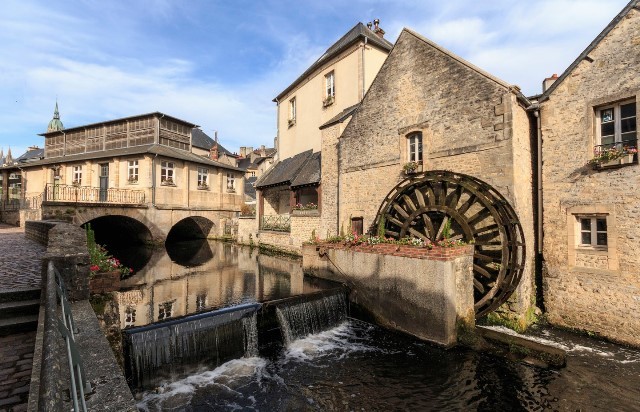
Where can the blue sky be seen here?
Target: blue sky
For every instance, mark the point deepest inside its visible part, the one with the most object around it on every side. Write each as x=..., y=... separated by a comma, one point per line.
x=219, y=64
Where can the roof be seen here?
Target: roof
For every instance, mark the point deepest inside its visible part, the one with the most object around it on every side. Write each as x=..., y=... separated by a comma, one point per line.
x=249, y=186
x=31, y=155
x=246, y=164
x=340, y=117
x=202, y=140
x=119, y=120
x=160, y=150
x=585, y=54
x=310, y=172
x=358, y=32
x=285, y=171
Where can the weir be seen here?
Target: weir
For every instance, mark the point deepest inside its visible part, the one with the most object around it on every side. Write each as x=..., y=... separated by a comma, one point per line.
x=175, y=347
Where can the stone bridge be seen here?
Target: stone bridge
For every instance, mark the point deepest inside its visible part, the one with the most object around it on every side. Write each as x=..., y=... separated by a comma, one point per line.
x=144, y=223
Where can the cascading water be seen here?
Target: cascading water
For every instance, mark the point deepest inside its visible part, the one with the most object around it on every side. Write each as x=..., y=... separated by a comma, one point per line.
x=312, y=315
x=175, y=347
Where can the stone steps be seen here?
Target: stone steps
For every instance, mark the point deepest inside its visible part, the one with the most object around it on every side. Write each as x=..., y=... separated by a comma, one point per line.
x=19, y=310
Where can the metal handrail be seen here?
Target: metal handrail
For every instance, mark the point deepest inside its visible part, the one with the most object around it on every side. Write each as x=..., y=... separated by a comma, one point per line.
x=87, y=194
x=621, y=147
x=79, y=382
x=278, y=223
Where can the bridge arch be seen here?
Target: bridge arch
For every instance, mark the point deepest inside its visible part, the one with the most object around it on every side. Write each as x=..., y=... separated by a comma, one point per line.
x=189, y=228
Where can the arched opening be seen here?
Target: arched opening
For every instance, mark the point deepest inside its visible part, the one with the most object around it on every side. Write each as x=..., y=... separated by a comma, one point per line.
x=187, y=243
x=125, y=238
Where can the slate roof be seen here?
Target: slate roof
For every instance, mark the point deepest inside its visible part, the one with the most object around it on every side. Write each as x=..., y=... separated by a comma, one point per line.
x=31, y=156
x=359, y=31
x=585, y=54
x=203, y=141
x=310, y=173
x=160, y=150
x=340, y=117
x=249, y=187
x=246, y=164
x=285, y=171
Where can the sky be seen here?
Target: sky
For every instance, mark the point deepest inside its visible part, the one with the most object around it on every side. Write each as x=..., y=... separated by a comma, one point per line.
x=219, y=64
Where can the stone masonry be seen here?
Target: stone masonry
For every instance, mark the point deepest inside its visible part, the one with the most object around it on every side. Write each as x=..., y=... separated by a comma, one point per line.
x=585, y=287
x=471, y=123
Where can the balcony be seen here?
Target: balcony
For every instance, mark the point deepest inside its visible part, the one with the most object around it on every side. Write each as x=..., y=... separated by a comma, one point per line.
x=86, y=194
x=278, y=223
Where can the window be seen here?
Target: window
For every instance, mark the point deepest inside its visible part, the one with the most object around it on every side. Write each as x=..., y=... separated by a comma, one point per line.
x=231, y=182
x=292, y=111
x=165, y=310
x=201, y=302
x=167, y=173
x=617, y=125
x=593, y=231
x=203, y=178
x=329, y=83
x=77, y=175
x=132, y=171
x=130, y=317
x=414, y=144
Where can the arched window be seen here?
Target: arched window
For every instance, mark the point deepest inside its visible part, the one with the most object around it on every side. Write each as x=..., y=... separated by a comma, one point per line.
x=414, y=146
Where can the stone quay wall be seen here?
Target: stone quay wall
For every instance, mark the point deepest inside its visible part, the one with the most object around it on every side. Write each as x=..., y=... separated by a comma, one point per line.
x=422, y=292
x=247, y=230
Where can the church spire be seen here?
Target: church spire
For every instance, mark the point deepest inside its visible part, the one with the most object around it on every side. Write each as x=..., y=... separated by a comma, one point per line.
x=55, y=124
x=9, y=159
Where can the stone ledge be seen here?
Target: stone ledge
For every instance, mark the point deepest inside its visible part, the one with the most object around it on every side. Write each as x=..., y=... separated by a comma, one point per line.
x=417, y=252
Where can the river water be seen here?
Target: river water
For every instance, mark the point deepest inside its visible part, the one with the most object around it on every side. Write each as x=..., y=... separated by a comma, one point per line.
x=355, y=366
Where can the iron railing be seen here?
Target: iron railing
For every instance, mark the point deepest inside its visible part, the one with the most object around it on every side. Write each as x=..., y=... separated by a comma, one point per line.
x=624, y=147
x=87, y=194
x=279, y=223
x=34, y=202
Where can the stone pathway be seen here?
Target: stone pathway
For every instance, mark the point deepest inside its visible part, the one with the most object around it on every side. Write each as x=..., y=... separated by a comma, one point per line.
x=19, y=269
x=19, y=259
x=16, y=359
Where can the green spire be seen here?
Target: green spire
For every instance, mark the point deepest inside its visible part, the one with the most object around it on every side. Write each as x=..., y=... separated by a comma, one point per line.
x=55, y=124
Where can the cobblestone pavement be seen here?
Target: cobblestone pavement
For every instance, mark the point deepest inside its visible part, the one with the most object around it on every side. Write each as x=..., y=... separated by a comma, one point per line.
x=19, y=269
x=19, y=259
x=16, y=359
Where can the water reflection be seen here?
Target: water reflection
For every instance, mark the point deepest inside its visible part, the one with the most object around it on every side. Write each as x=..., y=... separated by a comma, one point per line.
x=193, y=276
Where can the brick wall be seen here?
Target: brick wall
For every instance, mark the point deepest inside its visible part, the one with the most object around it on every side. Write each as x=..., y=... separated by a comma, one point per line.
x=582, y=288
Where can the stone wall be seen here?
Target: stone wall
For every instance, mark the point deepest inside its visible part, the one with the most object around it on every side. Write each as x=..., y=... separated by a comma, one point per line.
x=595, y=289
x=247, y=230
x=303, y=227
x=426, y=293
x=279, y=240
x=471, y=123
x=39, y=230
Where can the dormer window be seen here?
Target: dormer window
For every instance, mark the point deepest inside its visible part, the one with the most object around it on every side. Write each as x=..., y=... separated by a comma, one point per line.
x=414, y=145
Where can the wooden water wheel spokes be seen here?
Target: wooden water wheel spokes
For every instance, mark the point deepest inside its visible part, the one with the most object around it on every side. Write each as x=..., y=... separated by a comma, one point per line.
x=424, y=204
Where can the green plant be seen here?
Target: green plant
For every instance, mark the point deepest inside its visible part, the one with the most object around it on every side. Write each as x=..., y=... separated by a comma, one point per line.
x=603, y=155
x=410, y=167
x=446, y=230
x=100, y=259
x=381, y=226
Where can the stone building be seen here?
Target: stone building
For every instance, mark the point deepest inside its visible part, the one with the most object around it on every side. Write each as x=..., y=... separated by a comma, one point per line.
x=591, y=238
x=152, y=159
x=427, y=110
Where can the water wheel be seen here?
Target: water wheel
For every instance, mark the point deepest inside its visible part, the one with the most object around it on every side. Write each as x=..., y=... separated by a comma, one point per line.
x=424, y=205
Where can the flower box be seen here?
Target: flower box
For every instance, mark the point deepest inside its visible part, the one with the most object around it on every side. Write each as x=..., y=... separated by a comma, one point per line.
x=328, y=101
x=412, y=168
x=104, y=282
x=305, y=212
x=623, y=160
x=203, y=187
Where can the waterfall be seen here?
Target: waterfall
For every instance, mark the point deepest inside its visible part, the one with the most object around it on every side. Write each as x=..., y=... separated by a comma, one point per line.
x=175, y=347
x=311, y=315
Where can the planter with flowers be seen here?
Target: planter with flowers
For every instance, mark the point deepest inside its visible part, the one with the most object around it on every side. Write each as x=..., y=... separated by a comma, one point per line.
x=309, y=209
x=203, y=186
x=167, y=182
x=105, y=271
x=132, y=180
x=411, y=168
x=605, y=158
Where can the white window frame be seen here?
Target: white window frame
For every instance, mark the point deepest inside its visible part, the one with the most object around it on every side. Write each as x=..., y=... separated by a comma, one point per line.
x=593, y=231
x=231, y=182
x=165, y=310
x=330, y=85
x=415, y=147
x=617, y=120
x=132, y=171
x=203, y=177
x=292, y=109
x=77, y=175
x=167, y=172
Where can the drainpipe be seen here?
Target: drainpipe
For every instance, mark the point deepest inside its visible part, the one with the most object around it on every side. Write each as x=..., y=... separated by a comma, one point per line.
x=539, y=257
x=277, y=127
x=153, y=181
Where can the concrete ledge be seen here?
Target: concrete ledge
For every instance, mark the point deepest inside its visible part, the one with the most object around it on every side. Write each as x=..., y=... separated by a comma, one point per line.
x=524, y=349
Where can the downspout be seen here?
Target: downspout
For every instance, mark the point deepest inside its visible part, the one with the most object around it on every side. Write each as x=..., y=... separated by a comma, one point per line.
x=364, y=84
x=539, y=256
x=153, y=165
x=277, y=127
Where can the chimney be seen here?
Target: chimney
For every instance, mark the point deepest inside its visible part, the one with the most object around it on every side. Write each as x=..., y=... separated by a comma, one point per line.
x=376, y=28
x=243, y=151
x=213, y=153
x=546, y=83
x=263, y=151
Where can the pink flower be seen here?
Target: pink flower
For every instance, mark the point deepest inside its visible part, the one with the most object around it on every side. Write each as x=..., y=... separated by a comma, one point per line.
x=94, y=268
